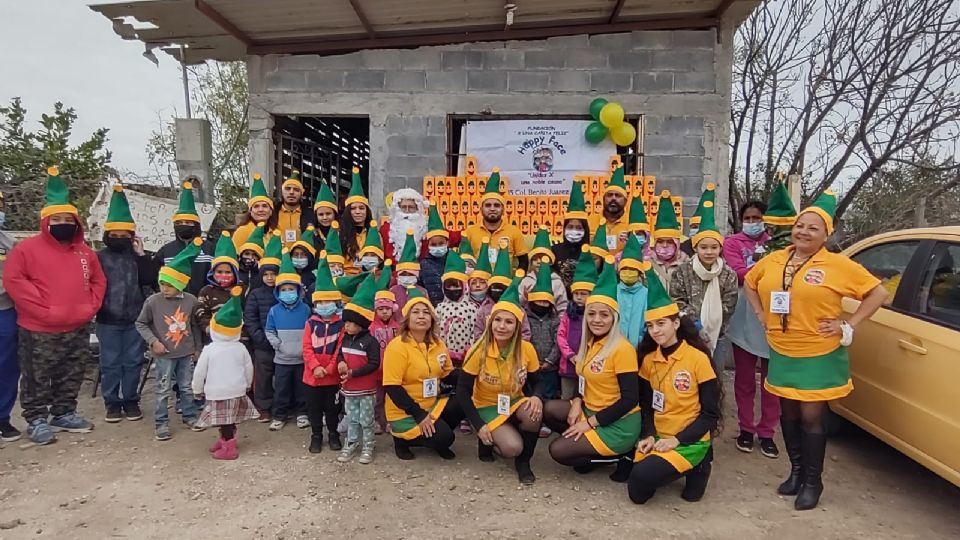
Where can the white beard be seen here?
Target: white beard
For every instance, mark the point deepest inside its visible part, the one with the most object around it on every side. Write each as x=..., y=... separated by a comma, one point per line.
x=398, y=231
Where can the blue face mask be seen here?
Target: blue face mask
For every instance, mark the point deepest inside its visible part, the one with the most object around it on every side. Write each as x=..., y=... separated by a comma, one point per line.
x=369, y=262
x=753, y=230
x=325, y=309
x=288, y=297
x=438, y=251
x=642, y=238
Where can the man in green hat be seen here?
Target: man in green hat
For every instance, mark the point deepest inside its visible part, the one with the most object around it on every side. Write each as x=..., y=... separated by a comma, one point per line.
x=494, y=226
x=186, y=227
x=293, y=214
x=614, y=214
x=128, y=272
x=57, y=286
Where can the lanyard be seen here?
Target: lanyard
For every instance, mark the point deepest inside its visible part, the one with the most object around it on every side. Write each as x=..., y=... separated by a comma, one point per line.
x=786, y=286
x=426, y=358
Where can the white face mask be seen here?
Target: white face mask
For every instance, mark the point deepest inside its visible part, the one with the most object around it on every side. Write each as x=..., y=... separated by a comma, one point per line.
x=573, y=235
x=369, y=262
x=336, y=271
x=407, y=281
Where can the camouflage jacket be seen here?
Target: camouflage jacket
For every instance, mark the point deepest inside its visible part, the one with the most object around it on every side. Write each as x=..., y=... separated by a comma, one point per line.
x=687, y=290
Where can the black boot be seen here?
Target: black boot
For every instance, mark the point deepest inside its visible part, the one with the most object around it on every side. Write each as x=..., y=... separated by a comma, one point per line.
x=696, y=483
x=402, y=449
x=792, y=437
x=484, y=452
x=522, y=462
x=316, y=443
x=624, y=467
x=335, y=443
x=814, y=448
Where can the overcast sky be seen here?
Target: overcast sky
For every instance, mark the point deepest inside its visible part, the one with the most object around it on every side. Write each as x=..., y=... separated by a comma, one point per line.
x=60, y=50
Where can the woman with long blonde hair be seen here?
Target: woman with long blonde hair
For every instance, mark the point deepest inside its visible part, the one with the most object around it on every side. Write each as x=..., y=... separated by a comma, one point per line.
x=499, y=388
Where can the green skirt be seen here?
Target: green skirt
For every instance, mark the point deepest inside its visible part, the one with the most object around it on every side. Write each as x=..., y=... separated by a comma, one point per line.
x=815, y=378
x=618, y=438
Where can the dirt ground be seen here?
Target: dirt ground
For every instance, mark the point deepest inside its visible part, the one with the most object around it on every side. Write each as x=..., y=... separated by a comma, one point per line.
x=117, y=482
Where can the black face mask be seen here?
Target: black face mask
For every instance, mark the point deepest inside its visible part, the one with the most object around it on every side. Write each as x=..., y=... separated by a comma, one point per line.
x=495, y=293
x=578, y=309
x=453, y=295
x=63, y=231
x=185, y=232
x=539, y=310
x=118, y=244
x=248, y=264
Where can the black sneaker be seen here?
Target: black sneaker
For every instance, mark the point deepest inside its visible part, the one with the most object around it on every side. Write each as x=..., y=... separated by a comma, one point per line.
x=745, y=442
x=132, y=412
x=316, y=444
x=113, y=414
x=335, y=443
x=769, y=448
x=8, y=433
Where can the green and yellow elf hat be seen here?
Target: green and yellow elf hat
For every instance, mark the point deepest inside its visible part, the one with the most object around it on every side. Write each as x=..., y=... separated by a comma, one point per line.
x=409, y=255
x=542, y=245
x=585, y=274
x=58, y=196
x=617, y=182
x=325, y=198
x=483, y=270
x=258, y=192
x=254, y=242
x=510, y=299
x=119, y=217
x=666, y=225
x=225, y=251
x=176, y=273
x=637, y=218
x=605, y=291
x=576, y=207
x=356, y=194
x=543, y=288
x=187, y=208
x=293, y=180
x=372, y=243
x=306, y=240
x=493, y=187
x=272, y=253
x=228, y=320
x=632, y=256
x=288, y=272
x=708, y=195
x=708, y=225
x=347, y=285
x=502, y=270
x=466, y=251
x=364, y=300
x=383, y=284
x=780, y=209
x=434, y=223
x=414, y=297
x=323, y=288
x=659, y=303
x=825, y=206
x=599, y=243
x=333, y=247
x=454, y=268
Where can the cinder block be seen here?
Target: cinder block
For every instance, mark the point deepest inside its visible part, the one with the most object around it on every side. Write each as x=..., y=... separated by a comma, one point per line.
x=365, y=80
x=696, y=60
x=652, y=39
x=611, y=42
x=681, y=125
x=380, y=58
x=586, y=59
x=420, y=59
x=570, y=81
x=299, y=62
x=406, y=125
x=653, y=83
x=437, y=125
x=610, y=81
x=325, y=80
x=553, y=59
x=447, y=81
x=694, y=82
x=286, y=81
x=695, y=39
x=527, y=81
x=666, y=145
x=487, y=81
x=406, y=81
x=632, y=61
x=340, y=61
x=579, y=41
x=681, y=165
x=415, y=145
x=503, y=59
x=483, y=45
x=453, y=60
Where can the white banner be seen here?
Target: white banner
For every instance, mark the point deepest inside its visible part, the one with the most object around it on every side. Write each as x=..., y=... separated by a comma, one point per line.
x=539, y=157
x=151, y=214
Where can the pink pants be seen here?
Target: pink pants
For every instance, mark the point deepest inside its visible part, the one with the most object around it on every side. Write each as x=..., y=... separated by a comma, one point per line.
x=745, y=390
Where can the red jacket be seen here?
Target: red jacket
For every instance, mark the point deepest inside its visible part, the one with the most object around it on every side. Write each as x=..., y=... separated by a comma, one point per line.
x=321, y=346
x=56, y=288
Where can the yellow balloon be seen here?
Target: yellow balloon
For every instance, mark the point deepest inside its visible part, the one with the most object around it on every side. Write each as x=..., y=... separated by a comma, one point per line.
x=611, y=115
x=624, y=134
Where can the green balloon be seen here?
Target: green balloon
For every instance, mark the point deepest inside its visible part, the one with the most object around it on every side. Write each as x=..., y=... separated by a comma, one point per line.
x=595, y=107
x=595, y=133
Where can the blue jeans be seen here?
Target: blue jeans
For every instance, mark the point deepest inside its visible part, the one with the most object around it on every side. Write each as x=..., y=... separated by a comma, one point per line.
x=9, y=368
x=121, y=357
x=289, y=392
x=170, y=371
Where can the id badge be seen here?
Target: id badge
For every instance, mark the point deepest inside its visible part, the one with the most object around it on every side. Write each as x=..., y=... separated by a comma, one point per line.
x=492, y=254
x=611, y=242
x=289, y=235
x=581, y=385
x=430, y=388
x=780, y=302
x=658, y=401
x=503, y=404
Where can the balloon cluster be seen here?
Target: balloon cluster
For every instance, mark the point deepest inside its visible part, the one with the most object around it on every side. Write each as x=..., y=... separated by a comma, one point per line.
x=608, y=118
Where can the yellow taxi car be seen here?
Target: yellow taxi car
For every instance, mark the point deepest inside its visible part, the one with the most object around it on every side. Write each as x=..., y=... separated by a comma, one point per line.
x=905, y=361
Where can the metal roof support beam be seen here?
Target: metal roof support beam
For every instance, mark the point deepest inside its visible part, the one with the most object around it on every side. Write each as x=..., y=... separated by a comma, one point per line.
x=222, y=22
x=616, y=11
x=403, y=41
x=363, y=18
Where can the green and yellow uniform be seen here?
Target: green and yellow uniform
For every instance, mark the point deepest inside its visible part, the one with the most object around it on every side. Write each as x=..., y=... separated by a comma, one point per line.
x=408, y=364
x=495, y=378
x=601, y=390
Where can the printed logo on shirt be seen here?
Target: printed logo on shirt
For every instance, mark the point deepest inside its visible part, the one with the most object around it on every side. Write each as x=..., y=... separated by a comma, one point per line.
x=442, y=359
x=596, y=365
x=176, y=326
x=682, y=381
x=814, y=276
x=492, y=380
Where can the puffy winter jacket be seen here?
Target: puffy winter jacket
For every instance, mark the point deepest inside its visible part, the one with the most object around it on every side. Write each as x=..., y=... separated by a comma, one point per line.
x=255, y=312
x=128, y=286
x=633, y=306
x=285, y=326
x=431, y=277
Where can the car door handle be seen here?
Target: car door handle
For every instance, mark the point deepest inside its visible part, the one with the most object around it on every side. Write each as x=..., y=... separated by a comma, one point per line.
x=904, y=344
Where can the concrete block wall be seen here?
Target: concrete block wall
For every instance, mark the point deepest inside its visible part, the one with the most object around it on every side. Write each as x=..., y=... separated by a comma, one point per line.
x=680, y=81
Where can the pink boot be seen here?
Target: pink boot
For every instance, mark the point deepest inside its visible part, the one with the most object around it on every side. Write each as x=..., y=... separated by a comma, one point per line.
x=228, y=450
x=217, y=445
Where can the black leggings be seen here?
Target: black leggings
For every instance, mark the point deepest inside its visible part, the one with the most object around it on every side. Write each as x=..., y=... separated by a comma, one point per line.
x=322, y=406
x=443, y=436
x=654, y=472
x=568, y=451
x=808, y=413
x=228, y=431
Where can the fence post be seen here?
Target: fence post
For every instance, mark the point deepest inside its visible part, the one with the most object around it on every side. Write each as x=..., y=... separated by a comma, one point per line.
x=921, y=212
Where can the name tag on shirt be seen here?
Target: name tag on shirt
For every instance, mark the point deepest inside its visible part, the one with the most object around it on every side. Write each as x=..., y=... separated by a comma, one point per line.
x=430, y=388
x=581, y=385
x=289, y=235
x=611, y=242
x=780, y=302
x=503, y=404
x=658, y=401
x=493, y=253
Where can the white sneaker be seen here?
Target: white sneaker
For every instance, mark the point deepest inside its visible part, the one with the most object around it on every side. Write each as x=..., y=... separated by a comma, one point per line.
x=303, y=422
x=346, y=454
x=277, y=425
x=366, y=456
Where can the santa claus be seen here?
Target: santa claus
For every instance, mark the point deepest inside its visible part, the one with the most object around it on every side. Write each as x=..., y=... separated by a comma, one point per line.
x=407, y=210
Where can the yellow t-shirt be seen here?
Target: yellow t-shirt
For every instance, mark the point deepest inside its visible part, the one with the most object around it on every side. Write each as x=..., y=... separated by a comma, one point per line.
x=511, y=235
x=601, y=388
x=408, y=364
x=817, y=291
x=496, y=379
x=352, y=267
x=614, y=230
x=288, y=225
x=679, y=377
x=242, y=234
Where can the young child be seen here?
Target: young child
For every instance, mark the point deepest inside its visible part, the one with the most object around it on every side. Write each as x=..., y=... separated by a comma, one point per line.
x=570, y=328
x=255, y=313
x=249, y=262
x=223, y=375
x=435, y=260
x=322, y=340
x=383, y=328
x=358, y=366
x=631, y=293
x=221, y=278
x=303, y=254
x=173, y=338
x=457, y=312
x=544, y=323
x=497, y=283
x=285, y=326
x=408, y=271
x=541, y=253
